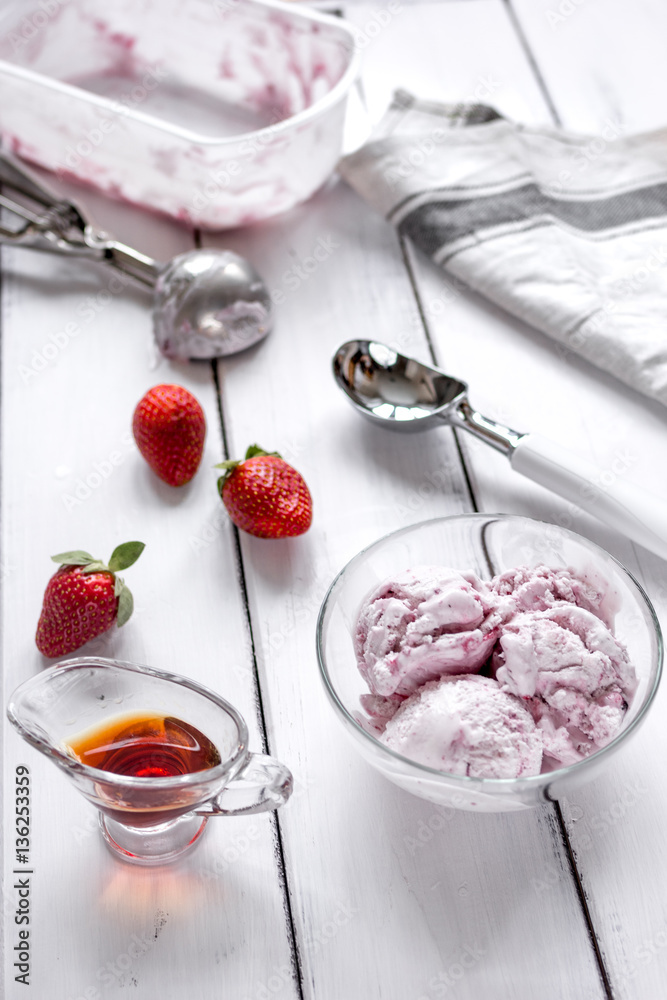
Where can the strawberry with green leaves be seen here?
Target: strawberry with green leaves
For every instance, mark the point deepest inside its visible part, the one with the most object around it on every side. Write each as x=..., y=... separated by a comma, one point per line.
x=169, y=427
x=265, y=496
x=84, y=599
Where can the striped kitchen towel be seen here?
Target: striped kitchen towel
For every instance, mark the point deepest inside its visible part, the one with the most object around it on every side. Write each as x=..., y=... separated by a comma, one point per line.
x=568, y=232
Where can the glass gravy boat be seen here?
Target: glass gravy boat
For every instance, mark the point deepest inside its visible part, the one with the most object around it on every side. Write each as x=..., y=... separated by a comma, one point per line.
x=146, y=820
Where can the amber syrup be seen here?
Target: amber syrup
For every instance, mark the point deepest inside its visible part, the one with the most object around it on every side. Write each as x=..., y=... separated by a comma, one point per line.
x=145, y=746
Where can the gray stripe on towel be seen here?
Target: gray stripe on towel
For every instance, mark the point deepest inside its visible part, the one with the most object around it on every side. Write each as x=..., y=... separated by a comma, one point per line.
x=437, y=223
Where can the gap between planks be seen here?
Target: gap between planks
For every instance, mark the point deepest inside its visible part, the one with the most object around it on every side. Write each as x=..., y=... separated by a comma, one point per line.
x=278, y=844
x=532, y=61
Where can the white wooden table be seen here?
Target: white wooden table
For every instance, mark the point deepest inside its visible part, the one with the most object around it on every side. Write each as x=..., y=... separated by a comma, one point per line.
x=355, y=890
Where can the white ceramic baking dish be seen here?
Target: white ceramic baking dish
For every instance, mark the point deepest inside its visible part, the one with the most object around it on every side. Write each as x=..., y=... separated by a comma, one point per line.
x=216, y=112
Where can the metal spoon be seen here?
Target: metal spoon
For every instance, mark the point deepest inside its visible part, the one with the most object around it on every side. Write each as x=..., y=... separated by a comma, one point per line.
x=206, y=303
x=406, y=395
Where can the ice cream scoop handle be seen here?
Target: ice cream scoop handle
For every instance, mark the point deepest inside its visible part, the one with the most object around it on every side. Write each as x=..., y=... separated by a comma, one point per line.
x=602, y=492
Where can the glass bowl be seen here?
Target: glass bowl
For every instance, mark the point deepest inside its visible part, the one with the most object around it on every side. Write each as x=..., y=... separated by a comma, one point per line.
x=487, y=544
x=217, y=113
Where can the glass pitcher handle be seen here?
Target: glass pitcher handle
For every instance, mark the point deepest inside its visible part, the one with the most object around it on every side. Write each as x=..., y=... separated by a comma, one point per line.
x=264, y=784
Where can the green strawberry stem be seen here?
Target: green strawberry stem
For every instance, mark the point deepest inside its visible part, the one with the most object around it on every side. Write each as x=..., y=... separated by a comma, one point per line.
x=122, y=557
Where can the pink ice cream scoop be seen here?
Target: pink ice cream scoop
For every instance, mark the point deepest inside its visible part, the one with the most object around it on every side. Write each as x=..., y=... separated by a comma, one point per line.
x=575, y=673
x=562, y=681
x=467, y=725
x=539, y=588
x=423, y=624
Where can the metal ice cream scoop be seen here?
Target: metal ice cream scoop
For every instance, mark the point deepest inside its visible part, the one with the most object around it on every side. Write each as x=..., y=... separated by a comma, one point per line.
x=206, y=303
x=406, y=395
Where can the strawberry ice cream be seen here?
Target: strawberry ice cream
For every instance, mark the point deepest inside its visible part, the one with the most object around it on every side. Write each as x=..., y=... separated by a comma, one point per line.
x=542, y=587
x=575, y=673
x=561, y=682
x=467, y=725
x=425, y=623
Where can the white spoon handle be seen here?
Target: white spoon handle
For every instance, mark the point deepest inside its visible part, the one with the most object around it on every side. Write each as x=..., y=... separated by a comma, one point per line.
x=607, y=495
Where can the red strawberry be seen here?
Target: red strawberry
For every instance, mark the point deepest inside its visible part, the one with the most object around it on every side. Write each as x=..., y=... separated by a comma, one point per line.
x=169, y=427
x=265, y=496
x=84, y=598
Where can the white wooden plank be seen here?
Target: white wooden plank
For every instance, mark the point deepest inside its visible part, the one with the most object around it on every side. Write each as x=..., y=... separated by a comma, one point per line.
x=458, y=51
x=525, y=380
x=379, y=912
x=617, y=826
x=98, y=927
x=601, y=60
